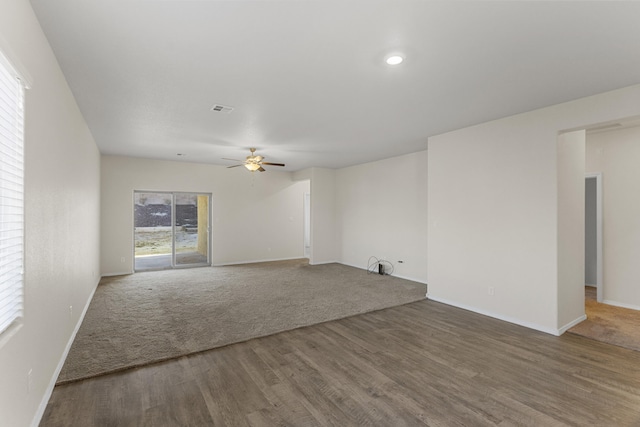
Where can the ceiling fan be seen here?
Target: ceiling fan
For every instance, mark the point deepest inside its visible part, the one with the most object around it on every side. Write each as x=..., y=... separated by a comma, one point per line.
x=253, y=162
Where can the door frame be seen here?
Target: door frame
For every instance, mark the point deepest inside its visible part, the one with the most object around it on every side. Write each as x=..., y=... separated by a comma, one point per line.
x=599, y=260
x=306, y=225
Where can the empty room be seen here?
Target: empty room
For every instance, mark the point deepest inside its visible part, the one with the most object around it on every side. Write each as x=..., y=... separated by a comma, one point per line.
x=313, y=213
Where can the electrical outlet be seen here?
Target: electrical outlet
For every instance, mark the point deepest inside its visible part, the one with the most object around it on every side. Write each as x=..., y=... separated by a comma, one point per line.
x=491, y=291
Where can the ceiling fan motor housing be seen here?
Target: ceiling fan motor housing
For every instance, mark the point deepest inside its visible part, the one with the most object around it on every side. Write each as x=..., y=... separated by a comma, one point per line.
x=254, y=163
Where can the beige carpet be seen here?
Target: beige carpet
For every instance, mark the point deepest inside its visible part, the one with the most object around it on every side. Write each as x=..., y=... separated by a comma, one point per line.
x=148, y=317
x=607, y=323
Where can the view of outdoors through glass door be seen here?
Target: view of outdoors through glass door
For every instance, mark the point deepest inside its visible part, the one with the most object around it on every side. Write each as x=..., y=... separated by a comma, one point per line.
x=171, y=230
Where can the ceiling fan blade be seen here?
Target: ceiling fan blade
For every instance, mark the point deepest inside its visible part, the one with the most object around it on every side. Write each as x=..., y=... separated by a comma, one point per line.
x=233, y=160
x=234, y=166
x=261, y=169
x=272, y=164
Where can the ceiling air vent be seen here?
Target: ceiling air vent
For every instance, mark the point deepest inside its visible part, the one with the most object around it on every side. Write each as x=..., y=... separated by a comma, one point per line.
x=219, y=108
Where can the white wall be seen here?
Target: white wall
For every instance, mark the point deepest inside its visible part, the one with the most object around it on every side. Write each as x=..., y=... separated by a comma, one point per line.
x=493, y=209
x=571, y=233
x=62, y=188
x=323, y=215
x=255, y=216
x=617, y=155
x=383, y=213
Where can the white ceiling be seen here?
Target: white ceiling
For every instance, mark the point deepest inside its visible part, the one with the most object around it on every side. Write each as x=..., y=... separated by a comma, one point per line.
x=307, y=78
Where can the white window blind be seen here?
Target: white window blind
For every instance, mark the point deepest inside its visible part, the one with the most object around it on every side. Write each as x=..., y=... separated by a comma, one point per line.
x=11, y=194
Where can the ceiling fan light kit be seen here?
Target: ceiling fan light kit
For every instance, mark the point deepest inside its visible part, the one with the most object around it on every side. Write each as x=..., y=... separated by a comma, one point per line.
x=253, y=163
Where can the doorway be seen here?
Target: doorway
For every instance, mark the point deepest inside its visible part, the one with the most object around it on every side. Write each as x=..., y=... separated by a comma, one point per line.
x=307, y=225
x=593, y=233
x=171, y=230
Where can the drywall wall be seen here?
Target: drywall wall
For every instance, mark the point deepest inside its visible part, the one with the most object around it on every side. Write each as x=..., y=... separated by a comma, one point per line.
x=323, y=215
x=492, y=217
x=617, y=155
x=255, y=216
x=570, y=167
x=383, y=213
x=62, y=187
x=493, y=209
x=590, y=233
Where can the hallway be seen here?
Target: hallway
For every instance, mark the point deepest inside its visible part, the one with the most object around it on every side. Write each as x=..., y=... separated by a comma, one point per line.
x=607, y=323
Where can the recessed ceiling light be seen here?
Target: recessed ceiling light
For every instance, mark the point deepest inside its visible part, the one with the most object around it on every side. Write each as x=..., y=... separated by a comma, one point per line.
x=394, y=60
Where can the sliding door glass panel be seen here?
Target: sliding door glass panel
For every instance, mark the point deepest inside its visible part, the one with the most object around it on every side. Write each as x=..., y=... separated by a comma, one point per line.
x=153, y=230
x=191, y=229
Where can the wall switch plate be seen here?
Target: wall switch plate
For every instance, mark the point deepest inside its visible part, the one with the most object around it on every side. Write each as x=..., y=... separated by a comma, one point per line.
x=491, y=290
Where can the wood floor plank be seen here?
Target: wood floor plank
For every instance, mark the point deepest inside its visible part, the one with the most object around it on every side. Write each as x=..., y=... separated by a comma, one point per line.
x=423, y=363
x=358, y=377
x=265, y=379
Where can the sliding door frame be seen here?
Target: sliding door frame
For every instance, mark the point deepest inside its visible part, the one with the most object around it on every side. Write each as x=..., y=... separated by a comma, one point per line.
x=174, y=264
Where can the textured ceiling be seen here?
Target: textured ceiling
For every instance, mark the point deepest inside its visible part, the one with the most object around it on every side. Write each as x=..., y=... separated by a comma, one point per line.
x=307, y=79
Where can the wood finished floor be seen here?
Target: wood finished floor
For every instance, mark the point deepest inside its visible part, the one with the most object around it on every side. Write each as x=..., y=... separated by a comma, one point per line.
x=608, y=323
x=424, y=363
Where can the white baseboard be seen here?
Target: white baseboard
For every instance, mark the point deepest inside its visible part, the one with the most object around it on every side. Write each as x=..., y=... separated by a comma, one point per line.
x=222, y=264
x=118, y=274
x=571, y=324
x=47, y=394
x=509, y=319
x=254, y=261
x=412, y=279
x=353, y=265
x=621, y=304
x=323, y=262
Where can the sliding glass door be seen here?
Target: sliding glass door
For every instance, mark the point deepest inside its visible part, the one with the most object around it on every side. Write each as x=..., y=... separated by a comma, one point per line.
x=191, y=236
x=171, y=230
x=153, y=230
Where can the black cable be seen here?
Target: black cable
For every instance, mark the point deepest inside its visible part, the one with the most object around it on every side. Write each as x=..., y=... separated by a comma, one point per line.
x=372, y=267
